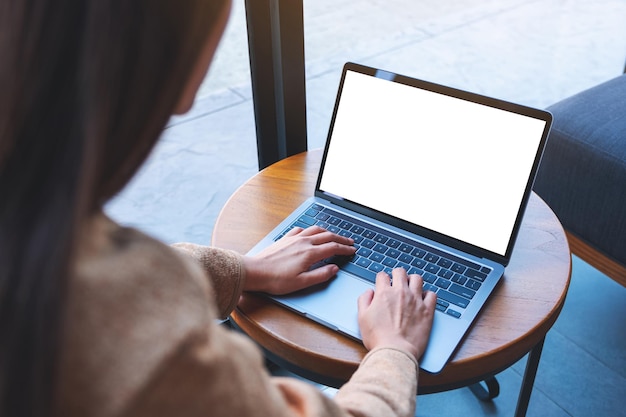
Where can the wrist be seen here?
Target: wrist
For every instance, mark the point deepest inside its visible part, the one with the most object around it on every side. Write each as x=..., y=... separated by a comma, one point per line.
x=249, y=274
x=253, y=274
x=399, y=344
x=397, y=351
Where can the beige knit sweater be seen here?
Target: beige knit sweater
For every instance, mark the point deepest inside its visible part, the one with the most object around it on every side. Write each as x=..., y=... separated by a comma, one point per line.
x=140, y=339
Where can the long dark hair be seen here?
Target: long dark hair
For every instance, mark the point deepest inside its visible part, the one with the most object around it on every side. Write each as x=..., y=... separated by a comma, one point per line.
x=86, y=88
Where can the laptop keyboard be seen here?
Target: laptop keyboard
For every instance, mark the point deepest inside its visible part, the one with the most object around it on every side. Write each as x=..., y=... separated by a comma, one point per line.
x=453, y=279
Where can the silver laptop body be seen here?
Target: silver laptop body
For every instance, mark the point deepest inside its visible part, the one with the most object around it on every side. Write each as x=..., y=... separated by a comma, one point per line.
x=437, y=178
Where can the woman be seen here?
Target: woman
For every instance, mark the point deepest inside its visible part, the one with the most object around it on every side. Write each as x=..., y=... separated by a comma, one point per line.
x=100, y=320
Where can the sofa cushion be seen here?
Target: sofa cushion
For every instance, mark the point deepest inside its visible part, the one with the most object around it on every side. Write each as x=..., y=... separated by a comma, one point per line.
x=582, y=175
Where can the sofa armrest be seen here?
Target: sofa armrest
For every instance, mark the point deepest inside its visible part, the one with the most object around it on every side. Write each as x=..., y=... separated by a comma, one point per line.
x=582, y=175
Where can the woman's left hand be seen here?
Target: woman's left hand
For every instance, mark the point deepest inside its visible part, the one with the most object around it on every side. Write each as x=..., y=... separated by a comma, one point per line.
x=285, y=266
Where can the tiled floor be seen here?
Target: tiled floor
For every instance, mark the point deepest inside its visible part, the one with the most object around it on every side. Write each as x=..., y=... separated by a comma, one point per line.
x=531, y=52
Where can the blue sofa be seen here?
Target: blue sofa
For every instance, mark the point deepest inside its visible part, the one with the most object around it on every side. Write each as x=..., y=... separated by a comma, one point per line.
x=582, y=175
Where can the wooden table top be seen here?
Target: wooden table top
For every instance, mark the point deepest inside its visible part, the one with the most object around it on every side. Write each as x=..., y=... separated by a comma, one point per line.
x=518, y=315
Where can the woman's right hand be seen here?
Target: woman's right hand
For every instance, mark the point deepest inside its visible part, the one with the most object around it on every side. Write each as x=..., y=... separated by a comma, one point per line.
x=398, y=315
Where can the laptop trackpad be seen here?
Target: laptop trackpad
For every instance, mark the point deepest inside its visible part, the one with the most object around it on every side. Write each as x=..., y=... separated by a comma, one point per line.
x=332, y=304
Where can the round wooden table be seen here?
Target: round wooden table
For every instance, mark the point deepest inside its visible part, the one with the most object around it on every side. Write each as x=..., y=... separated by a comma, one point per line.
x=514, y=322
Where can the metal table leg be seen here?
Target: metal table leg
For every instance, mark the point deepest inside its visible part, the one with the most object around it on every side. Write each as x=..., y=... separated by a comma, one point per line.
x=529, y=379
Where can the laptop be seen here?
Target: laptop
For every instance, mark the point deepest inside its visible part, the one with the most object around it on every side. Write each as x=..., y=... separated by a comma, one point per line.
x=425, y=177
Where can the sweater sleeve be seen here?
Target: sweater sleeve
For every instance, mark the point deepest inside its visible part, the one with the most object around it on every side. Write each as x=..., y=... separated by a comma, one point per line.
x=387, y=379
x=385, y=384
x=224, y=269
x=220, y=373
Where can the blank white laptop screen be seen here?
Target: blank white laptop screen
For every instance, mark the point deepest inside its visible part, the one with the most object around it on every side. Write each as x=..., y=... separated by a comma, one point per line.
x=467, y=164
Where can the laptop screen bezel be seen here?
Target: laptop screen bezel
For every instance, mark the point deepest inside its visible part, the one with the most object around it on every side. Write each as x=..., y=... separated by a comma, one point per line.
x=456, y=93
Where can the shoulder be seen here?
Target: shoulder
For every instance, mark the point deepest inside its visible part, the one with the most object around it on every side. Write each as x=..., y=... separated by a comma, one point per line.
x=119, y=264
x=130, y=303
x=112, y=254
x=121, y=271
